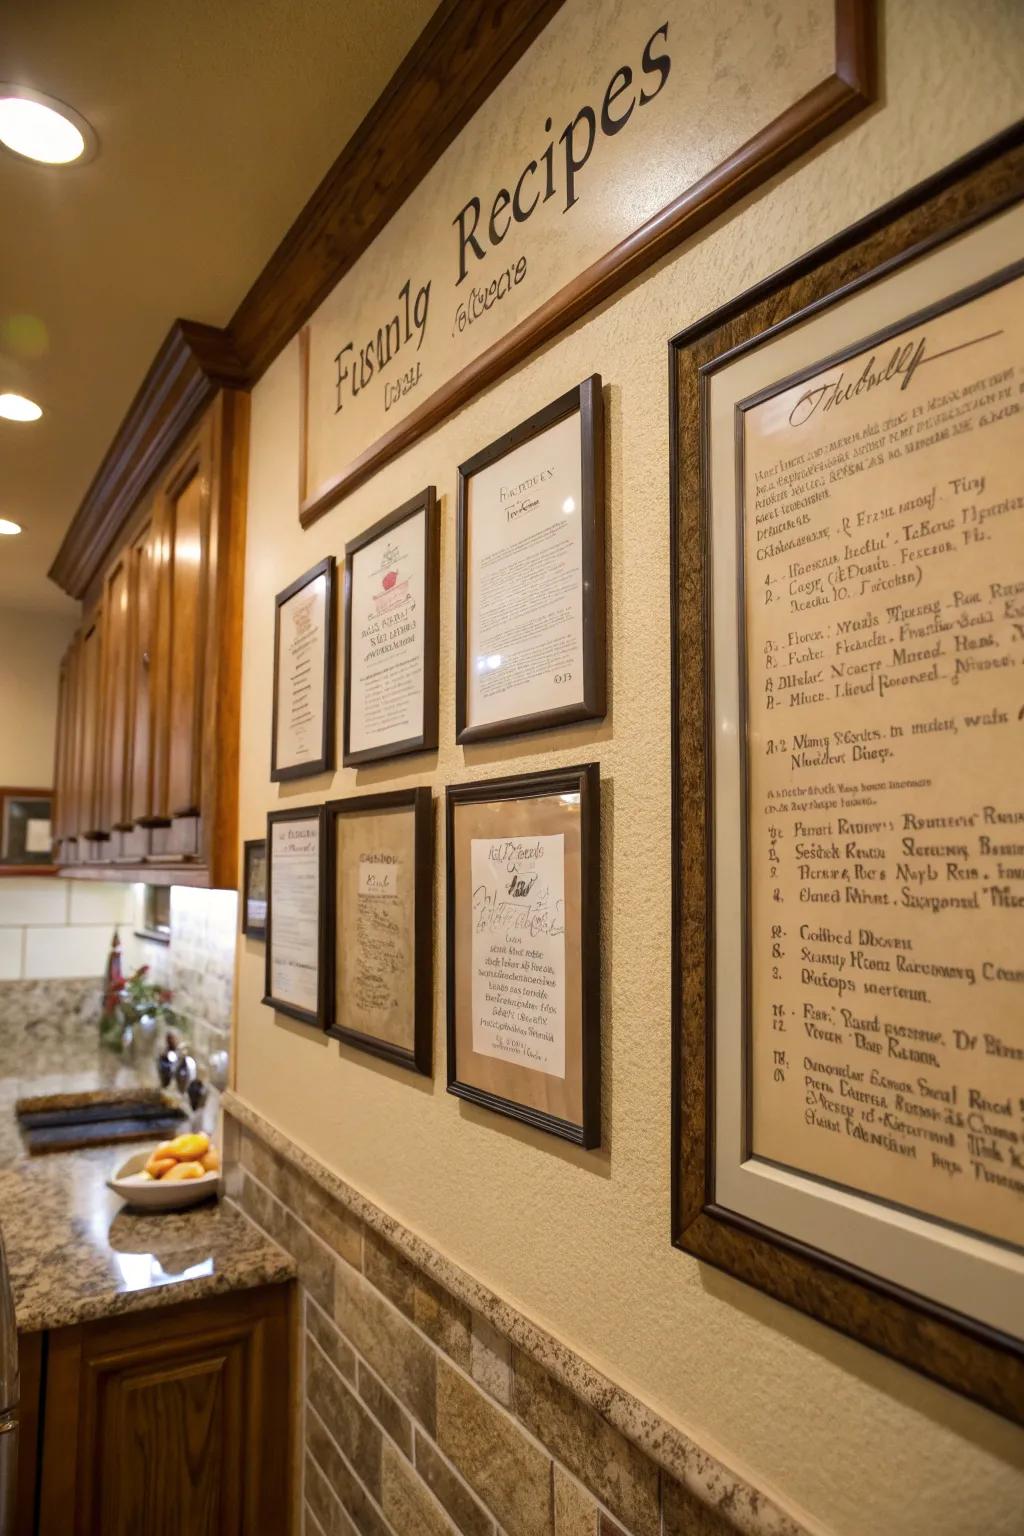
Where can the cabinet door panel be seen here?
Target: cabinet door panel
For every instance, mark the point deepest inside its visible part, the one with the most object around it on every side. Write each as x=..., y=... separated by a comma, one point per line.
x=90, y=731
x=113, y=797
x=188, y=514
x=170, y=1446
x=146, y=679
x=62, y=827
x=173, y=1422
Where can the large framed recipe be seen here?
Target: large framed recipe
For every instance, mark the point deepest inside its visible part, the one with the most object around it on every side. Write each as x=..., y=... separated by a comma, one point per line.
x=391, y=621
x=295, y=977
x=531, y=573
x=302, y=725
x=524, y=1029
x=380, y=885
x=848, y=507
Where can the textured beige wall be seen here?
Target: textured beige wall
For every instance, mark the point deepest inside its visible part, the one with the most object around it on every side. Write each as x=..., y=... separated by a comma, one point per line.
x=31, y=645
x=579, y=1241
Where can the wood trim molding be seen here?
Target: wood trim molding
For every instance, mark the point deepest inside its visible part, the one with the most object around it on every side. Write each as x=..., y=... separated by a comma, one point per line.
x=191, y=365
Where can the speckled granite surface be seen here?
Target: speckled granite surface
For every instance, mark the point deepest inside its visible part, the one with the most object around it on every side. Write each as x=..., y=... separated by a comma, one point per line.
x=75, y=1252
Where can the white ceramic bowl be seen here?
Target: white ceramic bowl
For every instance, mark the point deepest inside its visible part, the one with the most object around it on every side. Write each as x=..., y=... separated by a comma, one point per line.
x=157, y=1194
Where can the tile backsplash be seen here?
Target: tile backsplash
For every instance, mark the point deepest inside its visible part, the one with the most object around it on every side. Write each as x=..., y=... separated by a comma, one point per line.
x=54, y=929
x=55, y=939
x=198, y=965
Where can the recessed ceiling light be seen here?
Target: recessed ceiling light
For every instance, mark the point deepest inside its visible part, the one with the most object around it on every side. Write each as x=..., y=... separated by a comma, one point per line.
x=39, y=127
x=17, y=408
x=7, y=527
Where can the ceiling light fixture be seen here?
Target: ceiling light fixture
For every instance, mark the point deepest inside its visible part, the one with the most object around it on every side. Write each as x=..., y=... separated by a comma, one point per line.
x=41, y=128
x=7, y=527
x=18, y=408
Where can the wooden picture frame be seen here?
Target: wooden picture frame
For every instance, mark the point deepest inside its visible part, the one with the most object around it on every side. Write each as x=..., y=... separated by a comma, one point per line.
x=314, y=1015
x=954, y=1345
x=585, y=402
x=424, y=504
x=416, y=992
x=322, y=741
x=16, y=857
x=566, y=1104
x=253, y=849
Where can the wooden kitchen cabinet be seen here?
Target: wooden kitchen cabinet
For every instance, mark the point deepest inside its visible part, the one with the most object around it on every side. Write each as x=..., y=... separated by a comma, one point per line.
x=147, y=758
x=170, y=1422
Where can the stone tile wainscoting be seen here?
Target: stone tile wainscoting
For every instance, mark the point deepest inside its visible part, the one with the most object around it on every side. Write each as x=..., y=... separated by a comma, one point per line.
x=432, y=1407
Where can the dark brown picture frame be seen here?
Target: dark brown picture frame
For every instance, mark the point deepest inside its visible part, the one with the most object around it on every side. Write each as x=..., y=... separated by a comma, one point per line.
x=426, y=740
x=250, y=849
x=24, y=863
x=304, y=1016
x=586, y=400
x=420, y=801
x=325, y=762
x=960, y=1352
x=585, y=780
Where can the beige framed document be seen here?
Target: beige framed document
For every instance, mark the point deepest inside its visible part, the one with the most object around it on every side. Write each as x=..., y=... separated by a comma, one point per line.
x=391, y=626
x=848, y=507
x=380, y=883
x=530, y=649
x=302, y=724
x=524, y=1010
x=295, y=978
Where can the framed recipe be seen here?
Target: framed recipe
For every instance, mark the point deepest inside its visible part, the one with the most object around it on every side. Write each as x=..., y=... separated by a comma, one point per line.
x=848, y=507
x=392, y=598
x=380, y=863
x=254, y=888
x=531, y=573
x=524, y=1004
x=296, y=976
x=302, y=732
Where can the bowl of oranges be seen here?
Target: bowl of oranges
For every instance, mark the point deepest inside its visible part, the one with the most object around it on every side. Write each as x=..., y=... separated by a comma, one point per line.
x=174, y=1175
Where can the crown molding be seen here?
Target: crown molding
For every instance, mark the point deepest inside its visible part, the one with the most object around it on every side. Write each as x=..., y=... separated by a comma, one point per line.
x=466, y=49
x=191, y=365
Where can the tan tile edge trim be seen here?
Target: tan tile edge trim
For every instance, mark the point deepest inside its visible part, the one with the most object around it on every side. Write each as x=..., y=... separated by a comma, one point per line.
x=708, y=1479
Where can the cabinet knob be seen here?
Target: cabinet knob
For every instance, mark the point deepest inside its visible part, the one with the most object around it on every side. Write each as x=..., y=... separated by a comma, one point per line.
x=145, y=660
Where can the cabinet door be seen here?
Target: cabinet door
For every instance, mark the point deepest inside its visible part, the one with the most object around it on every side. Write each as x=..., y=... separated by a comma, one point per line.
x=90, y=704
x=64, y=827
x=116, y=711
x=146, y=769
x=171, y=1423
x=186, y=515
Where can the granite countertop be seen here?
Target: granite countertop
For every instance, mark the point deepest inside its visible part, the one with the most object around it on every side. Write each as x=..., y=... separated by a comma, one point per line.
x=74, y=1251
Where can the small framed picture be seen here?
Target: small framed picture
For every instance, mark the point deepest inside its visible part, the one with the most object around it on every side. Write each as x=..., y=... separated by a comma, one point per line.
x=254, y=888
x=302, y=734
x=380, y=864
x=524, y=1007
x=531, y=573
x=392, y=596
x=296, y=913
x=26, y=835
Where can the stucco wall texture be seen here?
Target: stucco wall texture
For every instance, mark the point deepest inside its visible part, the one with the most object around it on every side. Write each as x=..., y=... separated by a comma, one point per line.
x=849, y=1441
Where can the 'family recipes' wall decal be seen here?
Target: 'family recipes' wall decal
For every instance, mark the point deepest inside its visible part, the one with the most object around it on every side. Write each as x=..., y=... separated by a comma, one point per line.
x=621, y=130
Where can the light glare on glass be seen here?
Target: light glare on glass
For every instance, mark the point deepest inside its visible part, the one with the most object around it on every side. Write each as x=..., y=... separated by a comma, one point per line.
x=9, y=527
x=17, y=408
